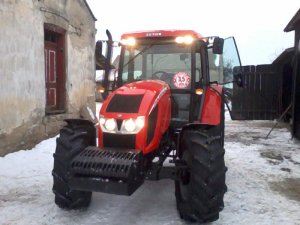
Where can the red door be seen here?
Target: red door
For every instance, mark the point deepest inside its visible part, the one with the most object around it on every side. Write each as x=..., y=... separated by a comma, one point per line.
x=54, y=69
x=51, y=76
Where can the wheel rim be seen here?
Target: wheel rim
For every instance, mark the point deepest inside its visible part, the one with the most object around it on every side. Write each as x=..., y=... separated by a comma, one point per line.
x=184, y=181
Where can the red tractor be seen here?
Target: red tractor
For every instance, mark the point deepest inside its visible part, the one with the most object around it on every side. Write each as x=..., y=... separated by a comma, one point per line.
x=167, y=102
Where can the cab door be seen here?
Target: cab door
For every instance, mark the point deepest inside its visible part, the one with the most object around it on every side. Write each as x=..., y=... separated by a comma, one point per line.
x=222, y=68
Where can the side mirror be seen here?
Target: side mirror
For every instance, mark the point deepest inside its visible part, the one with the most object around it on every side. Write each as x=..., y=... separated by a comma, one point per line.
x=218, y=45
x=99, y=47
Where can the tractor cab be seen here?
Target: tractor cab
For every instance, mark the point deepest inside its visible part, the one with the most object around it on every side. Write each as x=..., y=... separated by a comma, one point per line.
x=186, y=61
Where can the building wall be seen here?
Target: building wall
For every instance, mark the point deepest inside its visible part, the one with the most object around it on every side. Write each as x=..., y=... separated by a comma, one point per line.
x=23, y=121
x=296, y=88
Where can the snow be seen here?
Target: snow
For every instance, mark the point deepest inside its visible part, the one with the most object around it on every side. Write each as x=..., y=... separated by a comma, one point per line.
x=263, y=182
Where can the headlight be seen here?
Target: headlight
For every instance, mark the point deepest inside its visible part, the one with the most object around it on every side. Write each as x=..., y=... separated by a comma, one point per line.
x=140, y=122
x=102, y=121
x=110, y=124
x=129, y=126
x=133, y=126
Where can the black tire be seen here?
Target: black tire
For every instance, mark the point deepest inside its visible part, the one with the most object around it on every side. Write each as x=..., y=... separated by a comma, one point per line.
x=74, y=137
x=200, y=190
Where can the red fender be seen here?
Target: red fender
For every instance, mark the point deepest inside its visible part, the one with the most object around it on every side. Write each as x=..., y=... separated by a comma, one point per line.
x=211, y=113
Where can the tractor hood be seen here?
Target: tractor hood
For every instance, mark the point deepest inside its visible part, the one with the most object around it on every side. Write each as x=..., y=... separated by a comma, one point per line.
x=134, y=99
x=135, y=116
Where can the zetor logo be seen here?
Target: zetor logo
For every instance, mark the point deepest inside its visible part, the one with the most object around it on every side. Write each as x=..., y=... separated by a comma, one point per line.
x=153, y=34
x=181, y=80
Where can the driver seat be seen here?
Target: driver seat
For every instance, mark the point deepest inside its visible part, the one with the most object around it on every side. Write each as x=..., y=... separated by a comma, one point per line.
x=167, y=77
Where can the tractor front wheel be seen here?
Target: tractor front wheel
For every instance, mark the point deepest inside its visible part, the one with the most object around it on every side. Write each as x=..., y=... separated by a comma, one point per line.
x=74, y=137
x=200, y=189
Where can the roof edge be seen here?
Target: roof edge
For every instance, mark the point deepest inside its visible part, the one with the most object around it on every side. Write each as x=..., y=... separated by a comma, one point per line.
x=91, y=12
x=284, y=54
x=294, y=21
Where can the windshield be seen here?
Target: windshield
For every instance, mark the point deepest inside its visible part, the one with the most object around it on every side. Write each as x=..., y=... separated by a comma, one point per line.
x=168, y=62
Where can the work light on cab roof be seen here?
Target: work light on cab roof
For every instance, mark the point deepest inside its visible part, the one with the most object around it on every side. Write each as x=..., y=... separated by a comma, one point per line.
x=179, y=36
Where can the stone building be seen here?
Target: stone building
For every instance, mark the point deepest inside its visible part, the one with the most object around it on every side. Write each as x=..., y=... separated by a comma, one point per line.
x=47, y=68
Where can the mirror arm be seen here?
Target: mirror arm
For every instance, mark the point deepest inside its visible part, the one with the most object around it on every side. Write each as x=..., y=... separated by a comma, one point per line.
x=107, y=63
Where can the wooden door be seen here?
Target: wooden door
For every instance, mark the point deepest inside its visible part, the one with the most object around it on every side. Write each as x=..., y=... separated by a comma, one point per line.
x=54, y=69
x=51, y=76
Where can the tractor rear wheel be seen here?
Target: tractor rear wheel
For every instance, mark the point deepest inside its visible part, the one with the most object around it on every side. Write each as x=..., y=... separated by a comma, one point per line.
x=74, y=137
x=200, y=189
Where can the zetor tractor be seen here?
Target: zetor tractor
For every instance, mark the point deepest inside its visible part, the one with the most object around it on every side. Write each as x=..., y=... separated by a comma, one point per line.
x=167, y=102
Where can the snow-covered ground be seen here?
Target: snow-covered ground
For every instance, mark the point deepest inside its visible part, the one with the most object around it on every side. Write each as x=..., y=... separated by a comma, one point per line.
x=263, y=181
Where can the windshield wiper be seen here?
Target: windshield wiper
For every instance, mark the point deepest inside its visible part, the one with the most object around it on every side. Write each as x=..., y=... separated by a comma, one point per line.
x=143, y=50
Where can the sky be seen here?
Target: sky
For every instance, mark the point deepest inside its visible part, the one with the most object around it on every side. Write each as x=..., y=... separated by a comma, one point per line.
x=256, y=25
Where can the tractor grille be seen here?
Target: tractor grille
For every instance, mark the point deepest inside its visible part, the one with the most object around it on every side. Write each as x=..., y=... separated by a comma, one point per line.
x=119, y=140
x=94, y=162
x=125, y=103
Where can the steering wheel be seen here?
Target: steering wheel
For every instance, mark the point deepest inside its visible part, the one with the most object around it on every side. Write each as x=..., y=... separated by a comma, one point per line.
x=154, y=75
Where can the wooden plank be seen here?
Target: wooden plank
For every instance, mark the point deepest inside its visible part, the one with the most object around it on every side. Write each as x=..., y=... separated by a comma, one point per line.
x=258, y=99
